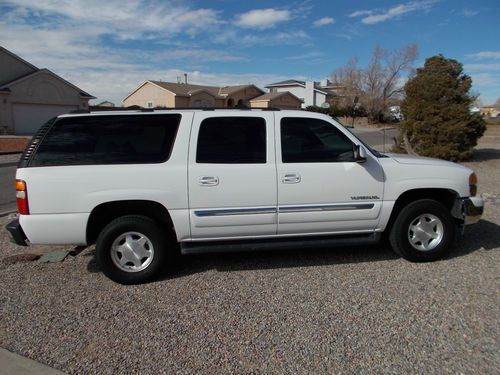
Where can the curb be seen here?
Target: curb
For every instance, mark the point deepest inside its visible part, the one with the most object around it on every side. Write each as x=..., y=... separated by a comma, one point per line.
x=6, y=213
x=12, y=363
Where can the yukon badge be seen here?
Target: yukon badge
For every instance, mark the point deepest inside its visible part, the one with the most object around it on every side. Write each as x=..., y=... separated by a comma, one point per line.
x=364, y=197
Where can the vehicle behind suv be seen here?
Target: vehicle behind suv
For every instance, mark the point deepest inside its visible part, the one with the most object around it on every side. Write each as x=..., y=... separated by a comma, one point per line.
x=147, y=186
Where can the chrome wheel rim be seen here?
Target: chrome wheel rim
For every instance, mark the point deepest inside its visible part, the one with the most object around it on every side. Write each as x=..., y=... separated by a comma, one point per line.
x=425, y=232
x=132, y=252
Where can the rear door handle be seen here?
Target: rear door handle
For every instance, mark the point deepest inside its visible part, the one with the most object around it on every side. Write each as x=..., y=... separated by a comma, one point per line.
x=290, y=178
x=208, y=181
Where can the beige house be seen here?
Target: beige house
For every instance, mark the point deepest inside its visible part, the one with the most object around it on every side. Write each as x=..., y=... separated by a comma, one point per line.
x=153, y=94
x=490, y=111
x=30, y=96
x=282, y=100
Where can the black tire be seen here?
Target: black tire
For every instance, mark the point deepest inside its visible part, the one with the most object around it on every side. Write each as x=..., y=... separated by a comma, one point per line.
x=159, y=240
x=402, y=233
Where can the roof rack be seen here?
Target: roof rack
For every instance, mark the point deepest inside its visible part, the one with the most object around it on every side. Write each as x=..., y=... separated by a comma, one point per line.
x=142, y=109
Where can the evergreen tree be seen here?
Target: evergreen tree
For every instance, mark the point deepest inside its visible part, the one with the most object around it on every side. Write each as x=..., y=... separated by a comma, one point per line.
x=438, y=122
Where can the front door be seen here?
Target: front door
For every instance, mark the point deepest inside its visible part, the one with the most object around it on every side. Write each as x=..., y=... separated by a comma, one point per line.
x=232, y=175
x=321, y=188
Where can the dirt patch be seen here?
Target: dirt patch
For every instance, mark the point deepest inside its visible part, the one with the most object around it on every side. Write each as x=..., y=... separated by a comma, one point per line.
x=13, y=144
x=19, y=258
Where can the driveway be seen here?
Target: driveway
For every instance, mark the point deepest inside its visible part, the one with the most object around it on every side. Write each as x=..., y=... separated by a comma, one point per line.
x=7, y=190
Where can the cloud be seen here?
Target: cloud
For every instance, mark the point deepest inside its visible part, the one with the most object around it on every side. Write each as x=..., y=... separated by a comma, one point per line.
x=360, y=13
x=306, y=56
x=482, y=67
x=469, y=12
x=324, y=21
x=269, y=39
x=262, y=18
x=377, y=16
x=136, y=19
x=484, y=55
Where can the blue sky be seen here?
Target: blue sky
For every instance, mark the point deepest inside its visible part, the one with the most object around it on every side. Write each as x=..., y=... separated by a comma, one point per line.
x=109, y=47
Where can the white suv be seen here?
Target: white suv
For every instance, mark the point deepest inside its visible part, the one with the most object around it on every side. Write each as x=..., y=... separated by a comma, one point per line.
x=145, y=185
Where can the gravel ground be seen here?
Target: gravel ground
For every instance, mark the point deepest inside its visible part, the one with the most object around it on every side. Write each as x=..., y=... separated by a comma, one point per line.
x=352, y=310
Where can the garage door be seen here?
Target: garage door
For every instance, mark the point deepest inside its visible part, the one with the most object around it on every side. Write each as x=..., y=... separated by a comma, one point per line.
x=29, y=117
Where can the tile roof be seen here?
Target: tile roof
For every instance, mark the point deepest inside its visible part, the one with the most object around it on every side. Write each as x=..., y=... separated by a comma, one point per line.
x=273, y=95
x=183, y=89
x=187, y=89
x=287, y=82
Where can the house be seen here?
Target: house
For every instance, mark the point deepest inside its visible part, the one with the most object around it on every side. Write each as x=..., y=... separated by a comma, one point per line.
x=152, y=94
x=490, y=111
x=106, y=104
x=30, y=96
x=309, y=92
x=283, y=100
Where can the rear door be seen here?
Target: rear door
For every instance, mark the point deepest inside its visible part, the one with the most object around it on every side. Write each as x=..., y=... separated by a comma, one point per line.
x=232, y=175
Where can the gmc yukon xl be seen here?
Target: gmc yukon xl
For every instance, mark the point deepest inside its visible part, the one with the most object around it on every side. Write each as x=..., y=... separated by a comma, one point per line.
x=146, y=185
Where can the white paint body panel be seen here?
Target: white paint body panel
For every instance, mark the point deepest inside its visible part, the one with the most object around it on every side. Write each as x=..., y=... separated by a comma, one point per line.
x=62, y=198
x=55, y=229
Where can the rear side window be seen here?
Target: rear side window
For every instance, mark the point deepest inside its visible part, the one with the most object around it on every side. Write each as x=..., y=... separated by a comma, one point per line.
x=232, y=140
x=132, y=139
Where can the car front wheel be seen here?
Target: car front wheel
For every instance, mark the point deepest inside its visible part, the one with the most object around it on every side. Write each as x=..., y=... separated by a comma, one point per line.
x=424, y=230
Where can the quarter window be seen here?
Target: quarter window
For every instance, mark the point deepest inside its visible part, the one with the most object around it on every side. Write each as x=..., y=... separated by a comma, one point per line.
x=134, y=139
x=232, y=140
x=305, y=140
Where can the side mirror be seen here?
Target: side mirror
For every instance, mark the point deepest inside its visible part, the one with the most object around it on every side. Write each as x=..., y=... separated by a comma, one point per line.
x=359, y=154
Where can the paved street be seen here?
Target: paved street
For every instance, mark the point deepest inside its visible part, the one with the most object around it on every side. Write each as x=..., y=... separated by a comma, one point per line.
x=7, y=193
x=376, y=138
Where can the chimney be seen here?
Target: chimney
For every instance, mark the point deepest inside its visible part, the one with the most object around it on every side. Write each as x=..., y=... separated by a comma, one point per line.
x=185, y=78
x=309, y=94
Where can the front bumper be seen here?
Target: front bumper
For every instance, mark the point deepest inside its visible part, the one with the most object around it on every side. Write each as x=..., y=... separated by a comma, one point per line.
x=16, y=233
x=471, y=209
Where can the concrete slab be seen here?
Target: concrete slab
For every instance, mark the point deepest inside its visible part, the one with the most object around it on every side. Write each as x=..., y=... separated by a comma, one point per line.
x=14, y=364
x=54, y=256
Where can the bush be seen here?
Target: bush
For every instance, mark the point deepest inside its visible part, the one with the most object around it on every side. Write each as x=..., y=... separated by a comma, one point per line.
x=438, y=122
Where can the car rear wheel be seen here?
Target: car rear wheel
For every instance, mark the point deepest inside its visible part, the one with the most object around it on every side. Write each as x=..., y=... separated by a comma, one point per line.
x=132, y=249
x=424, y=230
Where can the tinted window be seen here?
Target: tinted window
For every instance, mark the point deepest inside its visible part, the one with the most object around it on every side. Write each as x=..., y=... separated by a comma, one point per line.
x=111, y=139
x=305, y=140
x=232, y=140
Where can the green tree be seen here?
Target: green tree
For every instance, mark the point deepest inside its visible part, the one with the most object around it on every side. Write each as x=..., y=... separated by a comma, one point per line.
x=438, y=122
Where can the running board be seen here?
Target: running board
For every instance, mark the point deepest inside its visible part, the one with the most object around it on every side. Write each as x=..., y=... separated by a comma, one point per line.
x=288, y=243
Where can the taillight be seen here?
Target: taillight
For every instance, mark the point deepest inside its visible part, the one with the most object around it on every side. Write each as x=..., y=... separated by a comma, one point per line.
x=22, y=198
x=473, y=184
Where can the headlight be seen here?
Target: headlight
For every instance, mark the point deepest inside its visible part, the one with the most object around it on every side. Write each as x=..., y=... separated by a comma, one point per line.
x=473, y=184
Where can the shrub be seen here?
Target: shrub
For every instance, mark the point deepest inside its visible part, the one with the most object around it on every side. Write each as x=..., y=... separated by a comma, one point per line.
x=438, y=122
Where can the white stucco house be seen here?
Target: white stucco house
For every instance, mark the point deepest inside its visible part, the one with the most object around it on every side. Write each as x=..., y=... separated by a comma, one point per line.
x=310, y=92
x=30, y=96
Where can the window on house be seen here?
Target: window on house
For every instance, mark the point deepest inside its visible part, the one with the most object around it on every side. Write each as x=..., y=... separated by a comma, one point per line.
x=150, y=105
x=305, y=140
x=232, y=140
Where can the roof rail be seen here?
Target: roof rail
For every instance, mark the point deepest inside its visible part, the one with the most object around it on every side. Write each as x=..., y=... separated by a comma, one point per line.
x=142, y=109
x=77, y=111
